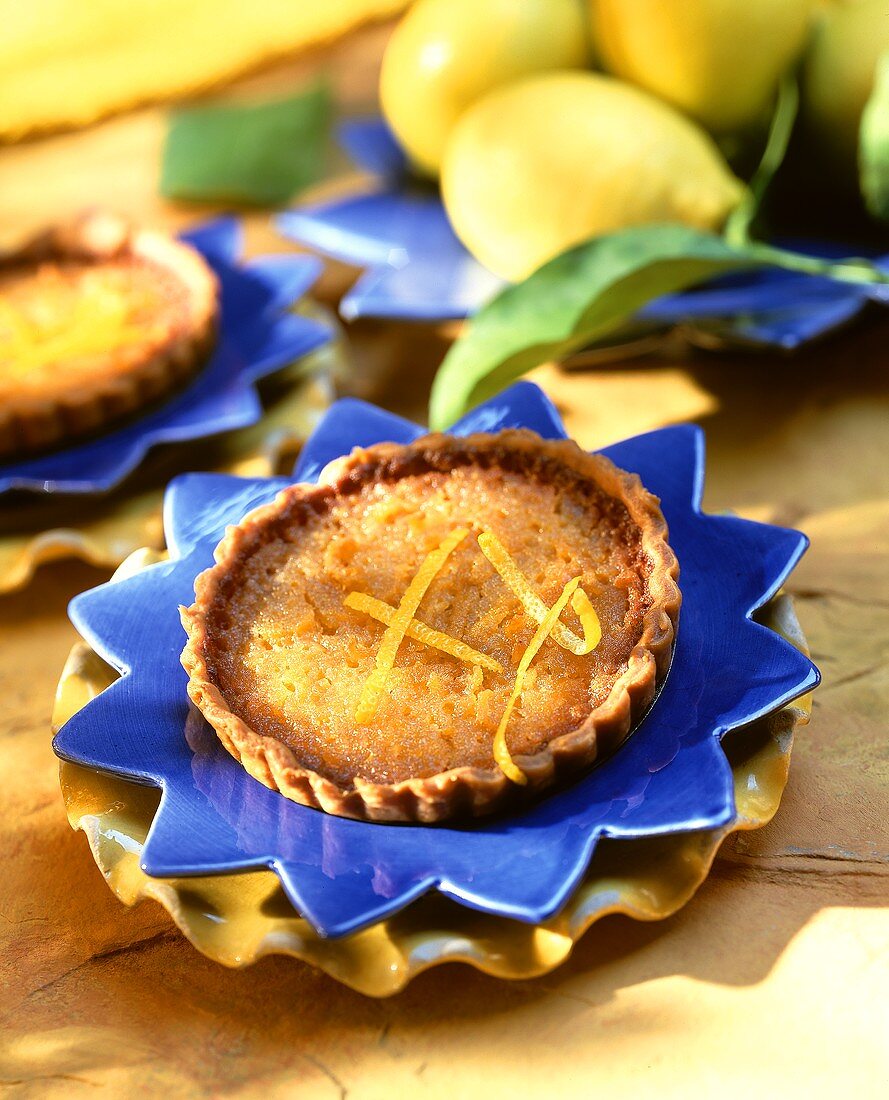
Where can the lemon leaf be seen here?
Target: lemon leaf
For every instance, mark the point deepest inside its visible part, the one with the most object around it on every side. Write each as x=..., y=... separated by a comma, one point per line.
x=259, y=154
x=873, y=145
x=590, y=291
x=579, y=296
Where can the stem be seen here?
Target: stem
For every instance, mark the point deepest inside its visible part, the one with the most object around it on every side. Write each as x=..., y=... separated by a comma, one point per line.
x=852, y=270
x=737, y=228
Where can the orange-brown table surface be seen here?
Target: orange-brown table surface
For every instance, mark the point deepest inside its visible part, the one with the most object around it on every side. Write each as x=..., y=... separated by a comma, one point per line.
x=774, y=980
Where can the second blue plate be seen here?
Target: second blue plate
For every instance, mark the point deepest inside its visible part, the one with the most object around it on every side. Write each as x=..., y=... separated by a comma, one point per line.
x=418, y=270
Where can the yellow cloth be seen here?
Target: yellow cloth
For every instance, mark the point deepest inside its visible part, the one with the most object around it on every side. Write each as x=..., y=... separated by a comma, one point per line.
x=68, y=62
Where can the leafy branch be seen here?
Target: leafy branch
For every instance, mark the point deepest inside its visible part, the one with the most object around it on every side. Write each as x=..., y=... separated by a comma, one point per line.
x=591, y=290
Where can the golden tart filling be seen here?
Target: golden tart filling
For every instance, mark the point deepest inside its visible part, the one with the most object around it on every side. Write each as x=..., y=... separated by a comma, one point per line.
x=82, y=318
x=96, y=321
x=435, y=628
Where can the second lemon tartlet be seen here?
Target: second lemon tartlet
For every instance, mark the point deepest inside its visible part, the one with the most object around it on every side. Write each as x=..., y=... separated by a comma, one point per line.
x=97, y=321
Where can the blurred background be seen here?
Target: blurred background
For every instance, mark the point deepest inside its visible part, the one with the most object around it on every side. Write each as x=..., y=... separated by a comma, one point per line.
x=539, y=123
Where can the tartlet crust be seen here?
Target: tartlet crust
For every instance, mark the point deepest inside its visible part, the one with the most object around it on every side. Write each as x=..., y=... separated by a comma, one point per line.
x=466, y=791
x=32, y=422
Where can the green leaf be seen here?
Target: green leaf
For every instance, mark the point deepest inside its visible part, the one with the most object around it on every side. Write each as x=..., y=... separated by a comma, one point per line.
x=577, y=297
x=740, y=221
x=260, y=154
x=587, y=293
x=873, y=144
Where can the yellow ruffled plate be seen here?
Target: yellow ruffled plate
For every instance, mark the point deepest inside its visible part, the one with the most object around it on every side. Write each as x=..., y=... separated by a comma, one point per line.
x=104, y=531
x=237, y=919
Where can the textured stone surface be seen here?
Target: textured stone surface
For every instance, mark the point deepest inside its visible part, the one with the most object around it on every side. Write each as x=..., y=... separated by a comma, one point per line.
x=772, y=979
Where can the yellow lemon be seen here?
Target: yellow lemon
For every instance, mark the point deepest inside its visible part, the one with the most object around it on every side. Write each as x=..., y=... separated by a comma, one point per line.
x=717, y=60
x=544, y=163
x=839, y=73
x=445, y=54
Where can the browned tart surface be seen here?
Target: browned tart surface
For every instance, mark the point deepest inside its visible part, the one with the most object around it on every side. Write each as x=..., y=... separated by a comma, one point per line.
x=279, y=660
x=96, y=320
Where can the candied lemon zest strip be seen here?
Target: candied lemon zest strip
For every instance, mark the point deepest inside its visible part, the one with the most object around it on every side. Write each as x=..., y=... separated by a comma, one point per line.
x=501, y=752
x=420, y=632
x=589, y=620
x=500, y=558
x=397, y=628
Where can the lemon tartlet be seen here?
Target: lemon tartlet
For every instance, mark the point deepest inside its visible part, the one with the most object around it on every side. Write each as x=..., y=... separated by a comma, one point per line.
x=97, y=321
x=436, y=630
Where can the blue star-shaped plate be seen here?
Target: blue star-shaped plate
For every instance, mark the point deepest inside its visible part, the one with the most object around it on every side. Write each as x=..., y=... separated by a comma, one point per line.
x=341, y=875
x=418, y=270
x=257, y=336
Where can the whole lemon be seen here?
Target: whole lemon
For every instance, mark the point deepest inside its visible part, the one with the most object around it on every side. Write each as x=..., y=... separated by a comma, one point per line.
x=544, y=163
x=445, y=54
x=839, y=73
x=717, y=60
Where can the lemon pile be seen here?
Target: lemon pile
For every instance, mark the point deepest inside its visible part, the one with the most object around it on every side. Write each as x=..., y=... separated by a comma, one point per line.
x=536, y=151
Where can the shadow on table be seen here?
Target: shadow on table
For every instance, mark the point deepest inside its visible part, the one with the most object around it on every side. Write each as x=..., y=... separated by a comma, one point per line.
x=157, y=1005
